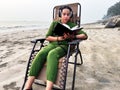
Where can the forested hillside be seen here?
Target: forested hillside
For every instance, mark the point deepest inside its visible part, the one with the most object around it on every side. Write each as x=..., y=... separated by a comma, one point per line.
x=113, y=10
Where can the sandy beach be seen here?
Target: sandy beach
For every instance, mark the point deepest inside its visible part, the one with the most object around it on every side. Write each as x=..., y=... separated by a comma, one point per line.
x=101, y=56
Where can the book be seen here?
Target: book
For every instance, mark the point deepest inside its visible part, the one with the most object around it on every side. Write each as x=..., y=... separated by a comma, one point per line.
x=60, y=29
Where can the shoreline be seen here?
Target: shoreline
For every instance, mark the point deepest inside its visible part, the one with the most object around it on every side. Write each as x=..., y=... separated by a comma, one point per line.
x=20, y=30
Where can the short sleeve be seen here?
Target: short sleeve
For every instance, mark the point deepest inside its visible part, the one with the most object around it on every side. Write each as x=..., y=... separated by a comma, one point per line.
x=51, y=29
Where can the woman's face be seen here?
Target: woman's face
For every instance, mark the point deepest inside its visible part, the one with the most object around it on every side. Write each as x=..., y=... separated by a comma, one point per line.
x=65, y=15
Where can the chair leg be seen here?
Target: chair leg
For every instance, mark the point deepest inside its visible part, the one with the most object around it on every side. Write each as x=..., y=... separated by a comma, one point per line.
x=67, y=60
x=75, y=63
x=26, y=75
x=80, y=57
x=74, y=72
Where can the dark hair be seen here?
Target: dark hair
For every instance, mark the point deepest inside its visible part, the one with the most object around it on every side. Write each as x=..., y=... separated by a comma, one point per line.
x=65, y=7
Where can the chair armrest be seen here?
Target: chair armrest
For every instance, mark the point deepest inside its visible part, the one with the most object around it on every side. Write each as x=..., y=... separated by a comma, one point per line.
x=74, y=42
x=36, y=40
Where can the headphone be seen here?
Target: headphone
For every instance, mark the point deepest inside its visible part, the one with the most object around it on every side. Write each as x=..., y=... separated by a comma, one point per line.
x=65, y=7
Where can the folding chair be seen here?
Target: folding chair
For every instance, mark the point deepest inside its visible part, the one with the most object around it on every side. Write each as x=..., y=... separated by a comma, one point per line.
x=73, y=47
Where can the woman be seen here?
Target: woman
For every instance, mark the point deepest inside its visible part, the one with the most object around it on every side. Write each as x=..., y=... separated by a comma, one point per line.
x=54, y=50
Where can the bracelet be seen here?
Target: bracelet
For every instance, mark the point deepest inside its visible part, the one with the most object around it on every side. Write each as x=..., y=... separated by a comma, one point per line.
x=75, y=37
x=57, y=38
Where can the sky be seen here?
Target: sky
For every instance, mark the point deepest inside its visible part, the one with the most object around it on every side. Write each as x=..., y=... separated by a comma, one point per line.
x=41, y=10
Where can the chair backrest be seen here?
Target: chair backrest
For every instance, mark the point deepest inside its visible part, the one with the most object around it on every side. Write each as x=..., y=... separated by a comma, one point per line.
x=76, y=7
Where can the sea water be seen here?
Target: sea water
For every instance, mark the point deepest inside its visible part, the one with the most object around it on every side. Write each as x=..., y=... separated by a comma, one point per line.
x=7, y=26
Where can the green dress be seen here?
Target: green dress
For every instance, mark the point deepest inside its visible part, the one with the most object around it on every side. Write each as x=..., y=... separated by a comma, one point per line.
x=51, y=53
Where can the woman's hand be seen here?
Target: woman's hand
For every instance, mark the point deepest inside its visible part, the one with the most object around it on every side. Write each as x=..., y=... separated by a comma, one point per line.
x=60, y=38
x=68, y=36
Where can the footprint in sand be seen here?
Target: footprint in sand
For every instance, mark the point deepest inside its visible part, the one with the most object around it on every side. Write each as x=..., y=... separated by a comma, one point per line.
x=11, y=86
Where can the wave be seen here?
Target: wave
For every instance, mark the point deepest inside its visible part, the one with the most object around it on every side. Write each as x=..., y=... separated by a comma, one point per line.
x=5, y=26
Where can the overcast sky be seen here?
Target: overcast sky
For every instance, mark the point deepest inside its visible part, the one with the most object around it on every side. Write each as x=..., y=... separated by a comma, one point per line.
x=41, y=10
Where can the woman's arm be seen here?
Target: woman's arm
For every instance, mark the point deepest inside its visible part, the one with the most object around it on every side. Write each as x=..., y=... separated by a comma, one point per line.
x=57, y=38
x=81, y=36
x=66, y=36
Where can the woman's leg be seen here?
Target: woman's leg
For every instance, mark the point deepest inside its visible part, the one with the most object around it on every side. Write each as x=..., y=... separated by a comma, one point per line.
x=49, y=85
x=29, y=82
x=52, y=65
x=37, y=65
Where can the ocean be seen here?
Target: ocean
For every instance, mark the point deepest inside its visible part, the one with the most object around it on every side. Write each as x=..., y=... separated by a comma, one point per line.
x=7, y=26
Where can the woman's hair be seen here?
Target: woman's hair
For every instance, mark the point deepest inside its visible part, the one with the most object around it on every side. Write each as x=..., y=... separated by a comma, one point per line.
x=65, y=7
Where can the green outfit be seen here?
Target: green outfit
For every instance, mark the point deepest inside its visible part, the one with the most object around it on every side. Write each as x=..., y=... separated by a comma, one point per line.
x=52, y=52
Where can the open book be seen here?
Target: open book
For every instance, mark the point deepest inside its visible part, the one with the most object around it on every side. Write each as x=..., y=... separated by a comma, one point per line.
x=60, y=29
